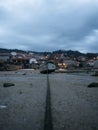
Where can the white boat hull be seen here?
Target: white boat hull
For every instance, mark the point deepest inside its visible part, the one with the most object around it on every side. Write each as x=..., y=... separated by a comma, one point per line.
x=47, y=68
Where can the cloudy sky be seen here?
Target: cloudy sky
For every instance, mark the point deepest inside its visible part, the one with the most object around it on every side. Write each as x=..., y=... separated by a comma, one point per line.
x=47, y=25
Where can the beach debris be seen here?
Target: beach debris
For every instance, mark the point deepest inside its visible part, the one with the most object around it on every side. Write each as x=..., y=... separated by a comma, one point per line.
x=93, y=85
x=8, y=84
x=2, y=106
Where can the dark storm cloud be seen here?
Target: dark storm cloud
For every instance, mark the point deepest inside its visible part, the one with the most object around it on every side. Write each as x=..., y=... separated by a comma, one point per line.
x=51, y=25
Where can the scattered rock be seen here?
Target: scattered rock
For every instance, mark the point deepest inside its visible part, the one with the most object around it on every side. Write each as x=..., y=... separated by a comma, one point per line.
x=96, y=74
x=31, y=85
x=93, y=85
x=20, y=92
x=24, y=74
x=8, y=84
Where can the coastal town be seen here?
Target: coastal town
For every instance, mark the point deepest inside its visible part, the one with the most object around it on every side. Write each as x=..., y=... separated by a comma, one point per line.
x=64, y=60
x=66, y=99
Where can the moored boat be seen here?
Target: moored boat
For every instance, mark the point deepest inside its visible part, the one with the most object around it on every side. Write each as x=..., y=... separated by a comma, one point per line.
x=47, y=67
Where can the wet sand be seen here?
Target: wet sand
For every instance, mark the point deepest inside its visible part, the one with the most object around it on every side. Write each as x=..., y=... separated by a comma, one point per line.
x=74, y=105
x=25, y=101
x=22, y=107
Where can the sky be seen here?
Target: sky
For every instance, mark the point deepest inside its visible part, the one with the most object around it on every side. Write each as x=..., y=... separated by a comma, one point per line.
x=49, y=25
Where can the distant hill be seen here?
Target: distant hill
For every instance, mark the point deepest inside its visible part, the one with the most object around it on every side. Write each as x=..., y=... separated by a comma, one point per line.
x=2, y=50
x=69, y=53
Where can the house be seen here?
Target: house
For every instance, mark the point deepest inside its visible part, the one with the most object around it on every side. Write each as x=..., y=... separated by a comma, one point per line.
x=5, y=57
x=96, y=64
x=82, y=58
x=33, y=63
x=90, y=63
x=67, y=64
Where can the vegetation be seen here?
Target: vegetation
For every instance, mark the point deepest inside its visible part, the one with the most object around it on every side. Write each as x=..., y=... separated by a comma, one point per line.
x=69, y=53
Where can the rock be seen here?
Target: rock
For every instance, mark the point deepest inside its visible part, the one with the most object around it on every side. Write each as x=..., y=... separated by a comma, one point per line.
x=24, y=74
x=93, y=85
x=8, y=84
x=96, y=74
x=20, y=92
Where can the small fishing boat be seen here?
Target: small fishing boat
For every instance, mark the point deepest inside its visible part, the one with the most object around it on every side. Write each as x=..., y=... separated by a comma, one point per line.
x=47, y=67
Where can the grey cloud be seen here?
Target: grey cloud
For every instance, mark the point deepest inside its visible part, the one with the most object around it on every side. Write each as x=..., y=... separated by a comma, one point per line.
x=53, y=25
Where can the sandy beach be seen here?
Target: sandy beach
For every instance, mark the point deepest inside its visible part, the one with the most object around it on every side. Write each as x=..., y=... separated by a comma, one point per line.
x=25, y=102
x=22, y=107
x=74, y=105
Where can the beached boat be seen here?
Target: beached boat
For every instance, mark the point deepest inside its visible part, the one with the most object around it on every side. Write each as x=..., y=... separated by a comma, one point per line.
x=47, y=67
